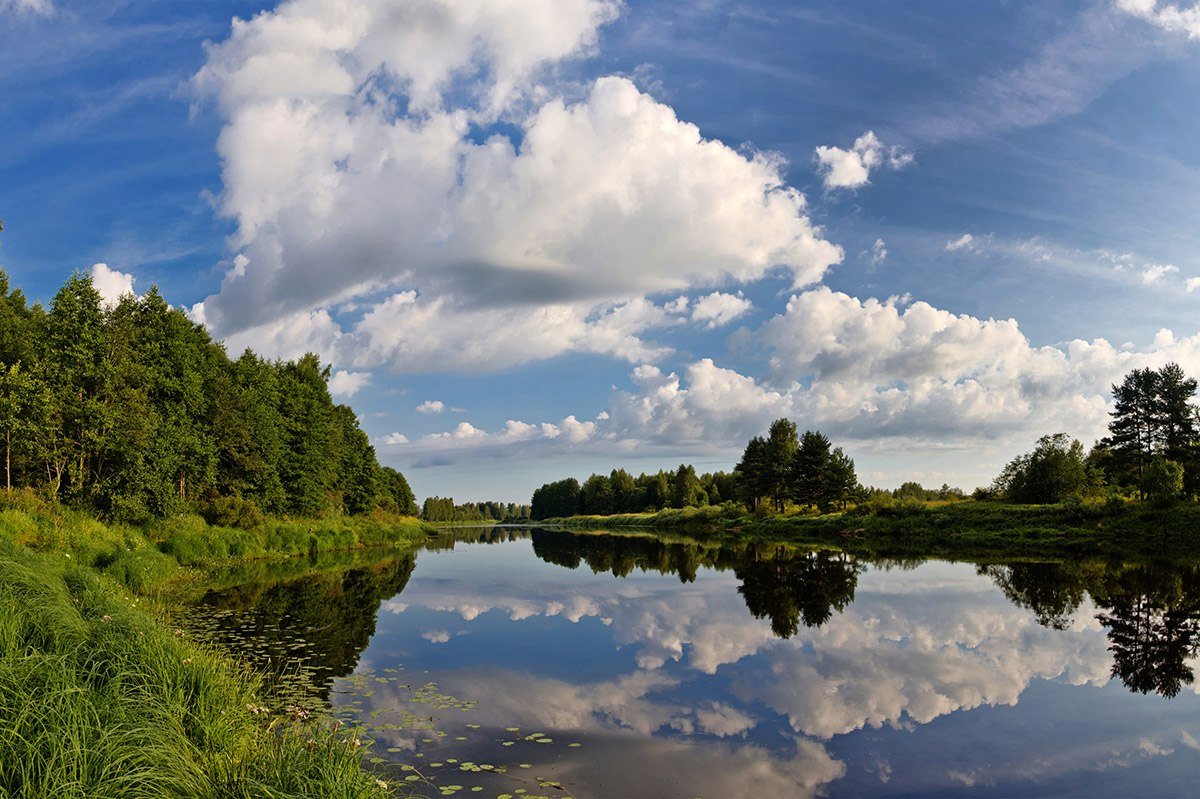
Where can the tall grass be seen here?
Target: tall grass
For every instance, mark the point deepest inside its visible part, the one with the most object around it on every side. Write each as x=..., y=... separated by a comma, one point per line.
x=98, y=698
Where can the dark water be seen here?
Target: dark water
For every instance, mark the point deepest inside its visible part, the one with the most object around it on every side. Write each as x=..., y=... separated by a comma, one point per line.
x=596, y=665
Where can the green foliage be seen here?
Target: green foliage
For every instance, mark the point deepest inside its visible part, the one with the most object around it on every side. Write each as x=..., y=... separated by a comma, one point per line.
x=395, y=494
x=1162, y=483
x=555, y=500
x=231, y=511
x=779, y=455
x=1153, y=417
x=99, y=700
x=752, y=473
x=444, y=509
x=135, y=413
x=1052, y=472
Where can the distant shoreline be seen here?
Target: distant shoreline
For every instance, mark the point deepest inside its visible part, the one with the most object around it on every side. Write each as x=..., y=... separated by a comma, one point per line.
x=953, y=530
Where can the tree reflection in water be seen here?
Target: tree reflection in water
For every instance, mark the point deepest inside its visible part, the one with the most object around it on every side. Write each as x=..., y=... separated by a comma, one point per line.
x=1151, y=613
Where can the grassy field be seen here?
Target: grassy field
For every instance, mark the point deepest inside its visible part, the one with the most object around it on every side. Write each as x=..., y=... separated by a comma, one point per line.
x=952, y=530
x=101, y=698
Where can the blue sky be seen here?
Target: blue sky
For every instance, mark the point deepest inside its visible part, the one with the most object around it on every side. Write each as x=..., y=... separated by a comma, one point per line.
x=497, y=206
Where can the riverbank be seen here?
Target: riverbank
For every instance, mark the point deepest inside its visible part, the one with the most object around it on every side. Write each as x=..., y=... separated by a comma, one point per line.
x=102, y=698
x=953, y=530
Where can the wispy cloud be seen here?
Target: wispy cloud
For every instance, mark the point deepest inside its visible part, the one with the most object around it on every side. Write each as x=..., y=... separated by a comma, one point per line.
x=1067, y=74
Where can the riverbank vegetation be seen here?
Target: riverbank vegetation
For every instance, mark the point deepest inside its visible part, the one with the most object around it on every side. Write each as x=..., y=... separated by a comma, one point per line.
x=101, y=697
x=136, y=457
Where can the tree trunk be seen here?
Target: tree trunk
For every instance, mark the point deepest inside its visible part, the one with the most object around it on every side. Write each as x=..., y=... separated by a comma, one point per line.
x=8, y=462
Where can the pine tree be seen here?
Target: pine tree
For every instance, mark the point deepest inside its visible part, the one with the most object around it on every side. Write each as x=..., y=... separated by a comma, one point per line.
x=781, y=449
x=1134, y=429
x=841, y=480
x=752, y=473
x=810, y=472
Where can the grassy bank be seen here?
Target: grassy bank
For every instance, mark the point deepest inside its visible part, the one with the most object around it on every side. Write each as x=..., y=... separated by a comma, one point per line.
x=953, y=530
x=100, y=698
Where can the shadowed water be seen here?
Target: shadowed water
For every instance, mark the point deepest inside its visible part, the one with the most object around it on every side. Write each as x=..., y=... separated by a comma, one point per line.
x=553, y=663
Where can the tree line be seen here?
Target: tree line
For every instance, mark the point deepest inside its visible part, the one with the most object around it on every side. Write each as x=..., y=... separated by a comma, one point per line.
x=621, y=492
x=444, y=509
x=133, y=411
x=781, y=468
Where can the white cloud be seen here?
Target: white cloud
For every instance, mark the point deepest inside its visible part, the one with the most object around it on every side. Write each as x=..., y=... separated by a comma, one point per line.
x=38, y=7
x=607, y=196
x=722, y=720
x=111, y=284
x=850, y=169
x=964, y=242
x=1192, y=284
x=876, y=374
x=436, y=636
x=1170, y=17
x=879, y=252
x=347, y=384
x=431, y=406
x=719, y=309
x=1060, y=78
x=1148, y=272
x=394, y=439
x=1153, y=273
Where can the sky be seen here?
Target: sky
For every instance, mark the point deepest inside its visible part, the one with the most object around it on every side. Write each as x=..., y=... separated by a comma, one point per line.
x=542, y=238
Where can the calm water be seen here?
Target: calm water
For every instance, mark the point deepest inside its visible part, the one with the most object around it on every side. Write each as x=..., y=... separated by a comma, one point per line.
x=594, y=665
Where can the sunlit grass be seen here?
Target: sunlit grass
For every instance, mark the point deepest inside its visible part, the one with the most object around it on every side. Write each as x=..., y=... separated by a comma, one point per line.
x=100, y=698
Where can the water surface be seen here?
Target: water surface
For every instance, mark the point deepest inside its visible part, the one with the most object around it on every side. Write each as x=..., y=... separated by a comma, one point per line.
x=599, y=665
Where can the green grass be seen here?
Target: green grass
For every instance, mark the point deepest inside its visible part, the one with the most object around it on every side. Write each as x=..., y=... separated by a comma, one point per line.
x=101, y=700
x=99, y=697
x=955, y=530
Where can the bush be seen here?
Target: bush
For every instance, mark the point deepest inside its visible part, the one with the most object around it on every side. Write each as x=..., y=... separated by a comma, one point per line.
x=1163, y=482
x=232, y=512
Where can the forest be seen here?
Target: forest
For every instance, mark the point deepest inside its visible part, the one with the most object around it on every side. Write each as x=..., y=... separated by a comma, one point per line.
x=134, y=412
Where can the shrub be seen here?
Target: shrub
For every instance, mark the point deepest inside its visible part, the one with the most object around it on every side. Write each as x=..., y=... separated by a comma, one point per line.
x=1163, y=482
x=232, y=512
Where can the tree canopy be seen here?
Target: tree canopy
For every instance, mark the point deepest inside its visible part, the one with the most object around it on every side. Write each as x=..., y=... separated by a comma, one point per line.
x=133, y=411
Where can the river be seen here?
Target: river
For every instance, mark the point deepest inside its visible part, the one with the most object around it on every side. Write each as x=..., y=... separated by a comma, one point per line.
x=504, y=661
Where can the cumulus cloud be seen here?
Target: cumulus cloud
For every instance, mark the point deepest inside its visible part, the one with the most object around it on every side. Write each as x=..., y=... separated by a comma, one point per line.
x=111, y=284
x=347, y=384
x=1192, y=284
x=869, y=372
x=436, y=449
x=1170, y=17
x=719, y=309
x=431, y=406
x=850, y=169
x=602, y=197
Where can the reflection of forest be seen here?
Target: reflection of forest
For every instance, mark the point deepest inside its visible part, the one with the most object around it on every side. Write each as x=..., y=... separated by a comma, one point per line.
x=1152, y=613
x=327, y=617
x=787, y=585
